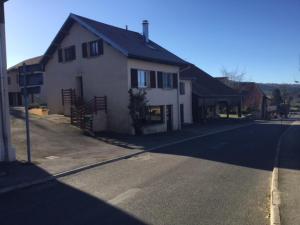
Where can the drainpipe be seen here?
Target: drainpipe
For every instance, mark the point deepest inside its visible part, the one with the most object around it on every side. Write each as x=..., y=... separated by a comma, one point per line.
x=7, y=153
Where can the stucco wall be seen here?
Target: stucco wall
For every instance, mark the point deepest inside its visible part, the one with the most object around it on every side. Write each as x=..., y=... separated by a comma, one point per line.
x=186, y=100
x=103, y=75
x=13, y=86
x=158, y=96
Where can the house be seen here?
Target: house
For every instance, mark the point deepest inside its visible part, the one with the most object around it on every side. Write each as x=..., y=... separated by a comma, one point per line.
x=14, y=88
x=254, y=99
x=209, y=96
x=90, y=67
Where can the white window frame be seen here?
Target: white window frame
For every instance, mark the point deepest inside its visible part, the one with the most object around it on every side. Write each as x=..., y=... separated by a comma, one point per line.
x=94, y=48
x=143, y=82
x=167, y=80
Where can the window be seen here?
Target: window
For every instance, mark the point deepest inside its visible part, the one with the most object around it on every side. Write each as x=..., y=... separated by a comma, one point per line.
x=67, y=54
x=92, y=49
x=70, y=53
x=155, y=114
x=8, y=80
x=143, y=78
x=167, y=80
x=182, y=88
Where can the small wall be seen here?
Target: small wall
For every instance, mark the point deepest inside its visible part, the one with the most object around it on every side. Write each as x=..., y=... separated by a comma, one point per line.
x=156, y=128
x=100, y=121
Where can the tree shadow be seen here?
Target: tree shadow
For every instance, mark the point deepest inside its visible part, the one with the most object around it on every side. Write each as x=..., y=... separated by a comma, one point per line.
x=57, y=203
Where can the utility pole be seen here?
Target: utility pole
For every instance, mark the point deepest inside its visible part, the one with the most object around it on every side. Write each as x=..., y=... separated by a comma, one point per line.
x=7, y=153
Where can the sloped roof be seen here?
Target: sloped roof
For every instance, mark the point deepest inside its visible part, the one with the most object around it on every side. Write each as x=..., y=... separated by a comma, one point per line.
x=131, y=44
x=31, y=61
x=204, y=85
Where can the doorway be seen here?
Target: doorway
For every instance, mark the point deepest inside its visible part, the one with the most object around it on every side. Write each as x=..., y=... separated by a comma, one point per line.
x=169, y=118
x=79, y=87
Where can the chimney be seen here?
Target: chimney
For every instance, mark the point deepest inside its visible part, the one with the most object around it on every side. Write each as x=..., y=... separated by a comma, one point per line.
x=146, y=30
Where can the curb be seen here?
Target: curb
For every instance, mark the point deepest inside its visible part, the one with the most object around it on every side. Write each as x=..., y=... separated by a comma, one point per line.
x=275, y=193
x=93, y=165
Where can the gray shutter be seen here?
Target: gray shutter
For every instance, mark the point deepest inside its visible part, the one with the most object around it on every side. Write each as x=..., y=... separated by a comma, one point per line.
x=152, y=79
x=60, y=55
x=134, y=78
x=84, y=50
x=159, y=80
x=100, y=47
x=175, y=80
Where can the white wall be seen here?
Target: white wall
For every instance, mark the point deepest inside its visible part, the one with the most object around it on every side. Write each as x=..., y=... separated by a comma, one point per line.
x=109, y=75
x=186, y=100
x=158, y=96
x=103, y=75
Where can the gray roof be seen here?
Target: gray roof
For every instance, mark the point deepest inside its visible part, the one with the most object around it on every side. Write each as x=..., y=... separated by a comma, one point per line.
x=31, y=61
x=204, y=85
x=131, y=44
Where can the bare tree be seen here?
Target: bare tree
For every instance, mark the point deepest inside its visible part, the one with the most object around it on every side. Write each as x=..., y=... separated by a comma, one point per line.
x=235, y=77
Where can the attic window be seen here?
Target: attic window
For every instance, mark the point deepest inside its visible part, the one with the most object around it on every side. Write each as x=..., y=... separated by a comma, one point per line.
x=67, y=54
x=92, y=48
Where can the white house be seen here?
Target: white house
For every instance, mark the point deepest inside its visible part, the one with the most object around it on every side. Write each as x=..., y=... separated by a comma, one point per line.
x=91, y=66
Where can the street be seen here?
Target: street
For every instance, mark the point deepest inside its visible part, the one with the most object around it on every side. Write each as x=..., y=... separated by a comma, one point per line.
x=218, y=179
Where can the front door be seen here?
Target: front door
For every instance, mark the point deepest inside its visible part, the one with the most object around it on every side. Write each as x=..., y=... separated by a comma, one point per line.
x=169, y=118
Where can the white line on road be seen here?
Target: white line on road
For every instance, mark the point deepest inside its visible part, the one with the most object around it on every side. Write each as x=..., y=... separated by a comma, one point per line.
x=275, y=194
x=124, y=196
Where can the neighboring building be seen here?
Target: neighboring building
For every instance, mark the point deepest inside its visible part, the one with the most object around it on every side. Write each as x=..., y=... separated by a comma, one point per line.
x=14, y=89
x=254, y=99
x=88, y=58
x=209, y=96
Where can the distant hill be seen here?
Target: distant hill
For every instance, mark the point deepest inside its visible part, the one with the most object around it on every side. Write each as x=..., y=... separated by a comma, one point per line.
x=292, y=89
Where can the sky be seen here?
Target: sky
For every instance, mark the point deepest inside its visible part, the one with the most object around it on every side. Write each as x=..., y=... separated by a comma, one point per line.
x=258, y=37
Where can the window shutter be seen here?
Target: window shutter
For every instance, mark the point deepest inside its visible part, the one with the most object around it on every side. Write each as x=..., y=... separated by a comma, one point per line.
x=60, y=55
x=152, y=79
x=134, y=78
x=159, y=80
x=175, y=80
x=84, y=50
x=100, y=46
x=73, y=52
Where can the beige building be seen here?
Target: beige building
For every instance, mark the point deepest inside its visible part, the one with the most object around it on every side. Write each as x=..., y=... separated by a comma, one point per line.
x=89, y=59
x=14, y=89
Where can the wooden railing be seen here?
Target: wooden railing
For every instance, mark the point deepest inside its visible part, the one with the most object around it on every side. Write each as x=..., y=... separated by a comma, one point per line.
x=82, y=116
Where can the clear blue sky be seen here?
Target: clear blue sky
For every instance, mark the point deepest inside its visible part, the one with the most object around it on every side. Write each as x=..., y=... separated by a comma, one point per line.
x=261, y=37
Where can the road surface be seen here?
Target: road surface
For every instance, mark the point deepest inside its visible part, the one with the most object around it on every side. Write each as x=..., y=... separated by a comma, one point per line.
x=219, y=179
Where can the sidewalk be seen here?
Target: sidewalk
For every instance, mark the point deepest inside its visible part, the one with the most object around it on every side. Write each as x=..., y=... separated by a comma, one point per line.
x=58, y=147
x=289, y=177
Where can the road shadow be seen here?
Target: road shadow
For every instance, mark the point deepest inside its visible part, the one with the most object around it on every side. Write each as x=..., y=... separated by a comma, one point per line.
x=57, y=203
x=254, y=147
x=151, y=140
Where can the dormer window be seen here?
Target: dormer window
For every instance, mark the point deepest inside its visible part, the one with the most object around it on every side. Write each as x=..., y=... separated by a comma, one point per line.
x=92, y=49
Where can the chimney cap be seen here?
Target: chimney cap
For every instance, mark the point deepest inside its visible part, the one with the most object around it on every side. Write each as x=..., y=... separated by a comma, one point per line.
x=145, y=21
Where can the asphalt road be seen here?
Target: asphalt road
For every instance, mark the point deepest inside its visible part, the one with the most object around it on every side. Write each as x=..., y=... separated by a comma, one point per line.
x=220, y=179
